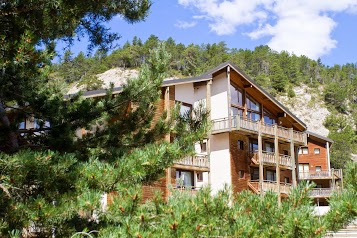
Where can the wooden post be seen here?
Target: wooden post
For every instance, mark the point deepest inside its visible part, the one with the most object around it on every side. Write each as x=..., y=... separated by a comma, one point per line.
x=277, y=160
x=260, y=155
x=167, y=137
x=229, y=97
x=208, y=108
x=328, y=156
x=292, y=154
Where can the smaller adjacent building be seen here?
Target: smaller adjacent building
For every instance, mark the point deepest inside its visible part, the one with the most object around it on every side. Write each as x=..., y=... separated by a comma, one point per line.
x=314, y=166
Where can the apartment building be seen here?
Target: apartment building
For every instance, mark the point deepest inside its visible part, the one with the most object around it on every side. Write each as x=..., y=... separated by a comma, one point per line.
x=255, y=142
x=314, y=166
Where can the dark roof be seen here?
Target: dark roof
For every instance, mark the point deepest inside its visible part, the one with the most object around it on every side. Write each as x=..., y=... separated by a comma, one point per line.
x=309, y=133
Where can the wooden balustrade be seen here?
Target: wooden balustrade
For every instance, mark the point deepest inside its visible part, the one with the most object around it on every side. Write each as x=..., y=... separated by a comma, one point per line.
x=239, y=123
x=187, y=189
x=285, y=160
x=322, y=192
x=324, y=174
x=196, y=160
x=270, y=186
x=268, y=158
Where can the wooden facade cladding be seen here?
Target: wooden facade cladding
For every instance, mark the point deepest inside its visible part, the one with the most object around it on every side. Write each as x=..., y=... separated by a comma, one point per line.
x=314, y=166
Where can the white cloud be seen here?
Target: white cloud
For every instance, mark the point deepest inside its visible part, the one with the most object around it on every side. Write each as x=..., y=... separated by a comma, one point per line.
x=303, y=27
x=185, y=24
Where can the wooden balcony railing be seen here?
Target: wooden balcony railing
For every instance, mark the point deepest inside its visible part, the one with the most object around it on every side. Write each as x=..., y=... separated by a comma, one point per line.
x=196, y=160
x=187, y=189
x=323, y=192
x=324, y=174
x=239, y=123
x=270, y=186
x=268, y=158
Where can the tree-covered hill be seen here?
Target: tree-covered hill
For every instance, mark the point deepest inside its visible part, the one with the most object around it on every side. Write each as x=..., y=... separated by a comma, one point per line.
x=278, y=72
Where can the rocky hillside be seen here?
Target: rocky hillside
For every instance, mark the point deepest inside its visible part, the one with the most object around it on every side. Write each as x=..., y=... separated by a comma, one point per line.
x=309, y=107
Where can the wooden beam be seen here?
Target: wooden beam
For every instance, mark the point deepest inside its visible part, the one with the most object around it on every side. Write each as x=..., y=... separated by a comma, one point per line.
x=248, y=86
x=281, y=114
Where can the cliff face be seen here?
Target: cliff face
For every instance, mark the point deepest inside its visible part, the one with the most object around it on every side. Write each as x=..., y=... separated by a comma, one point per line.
x=308, y=106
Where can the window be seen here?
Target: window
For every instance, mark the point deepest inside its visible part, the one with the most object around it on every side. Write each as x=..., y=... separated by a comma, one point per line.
x=241, y=174
x=286, y=180
x=318, y=168
x=240, y=145
x=303, y=151
x=185, y=108
x=268, y=147
x=236, y=96
x=303, y=169
x=269, y=118
x=316, y=151
x=253, y=145
x=184, y=179
x=271, y=175
x=236, y=101
x=199, y=177
x=252, y=104
x=203, y=147
x=255, y=174
x=236, y=111
x=253, y=116
x=253, y=109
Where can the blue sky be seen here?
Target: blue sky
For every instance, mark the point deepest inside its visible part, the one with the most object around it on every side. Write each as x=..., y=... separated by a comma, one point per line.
x=325, y=29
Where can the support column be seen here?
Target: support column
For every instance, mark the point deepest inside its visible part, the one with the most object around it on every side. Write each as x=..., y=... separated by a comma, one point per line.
x=277, y=161
x=292, y=154
x=260, y=156
x=229, y=97
x=167, y=137
x=208, y=108
x=328, y=156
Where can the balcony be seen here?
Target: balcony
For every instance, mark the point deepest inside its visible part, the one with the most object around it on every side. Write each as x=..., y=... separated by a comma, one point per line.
x=269, y=186
x=322, y=192
x=325, y=174
x=196, y=162
x=268, y=158
x=239, y=123
x=187, y=190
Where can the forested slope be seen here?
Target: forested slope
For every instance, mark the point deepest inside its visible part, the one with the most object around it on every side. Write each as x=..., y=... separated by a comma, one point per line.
x=282, y=74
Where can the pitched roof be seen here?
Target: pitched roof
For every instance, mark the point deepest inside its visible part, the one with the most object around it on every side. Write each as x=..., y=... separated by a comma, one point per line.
x=208, y=75
x=320, y=137
x=203, y=77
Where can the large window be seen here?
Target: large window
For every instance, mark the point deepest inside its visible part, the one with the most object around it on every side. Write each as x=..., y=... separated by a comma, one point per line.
x=236, y=101
x=184, y=179
x=253, y=109
x=269, y=118
x=236, y=96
